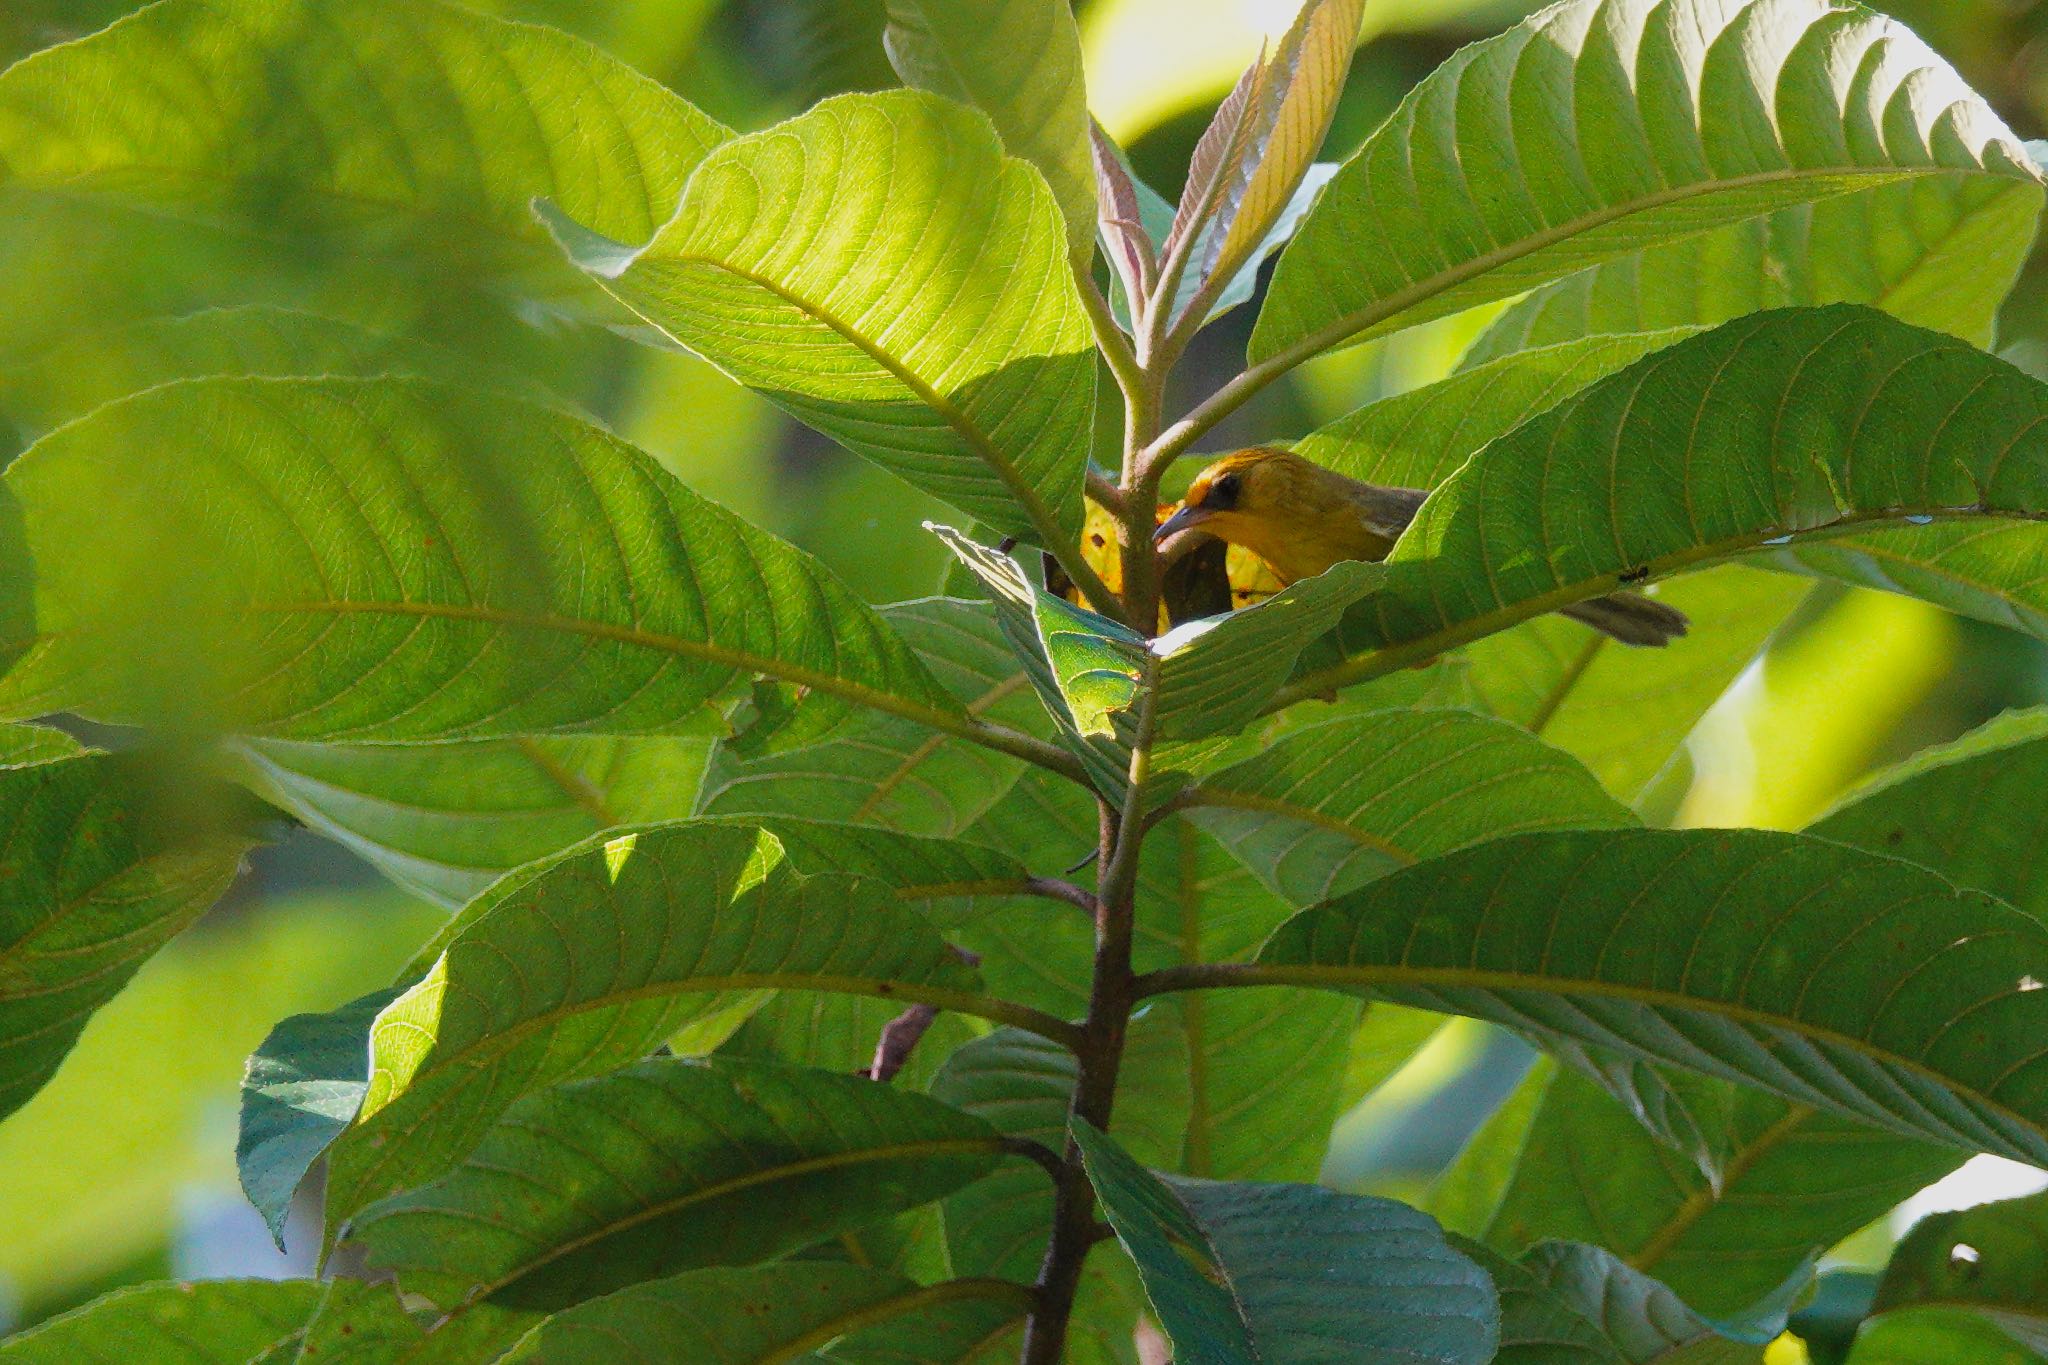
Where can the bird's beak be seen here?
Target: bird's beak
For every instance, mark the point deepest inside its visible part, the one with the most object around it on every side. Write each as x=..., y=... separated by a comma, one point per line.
x=1179, y=521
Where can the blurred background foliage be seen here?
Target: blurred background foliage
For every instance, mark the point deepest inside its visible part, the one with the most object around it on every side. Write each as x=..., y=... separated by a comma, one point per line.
x=1853, y=681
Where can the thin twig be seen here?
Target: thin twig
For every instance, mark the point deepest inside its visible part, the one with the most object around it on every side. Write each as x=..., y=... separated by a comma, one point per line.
x=1055, y=888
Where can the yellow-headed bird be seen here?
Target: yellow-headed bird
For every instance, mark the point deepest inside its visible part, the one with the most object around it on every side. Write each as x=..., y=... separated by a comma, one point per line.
x=1301, y=518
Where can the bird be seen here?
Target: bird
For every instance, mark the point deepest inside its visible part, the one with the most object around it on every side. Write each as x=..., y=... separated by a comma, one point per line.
x=1301, y=518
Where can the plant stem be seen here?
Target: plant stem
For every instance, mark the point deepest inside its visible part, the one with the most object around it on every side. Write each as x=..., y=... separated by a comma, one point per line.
x=1112, y=989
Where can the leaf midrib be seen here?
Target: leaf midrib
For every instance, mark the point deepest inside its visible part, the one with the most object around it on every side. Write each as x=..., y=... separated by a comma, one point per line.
x=1351, y=978
x=978, y=441
x=993, y=1144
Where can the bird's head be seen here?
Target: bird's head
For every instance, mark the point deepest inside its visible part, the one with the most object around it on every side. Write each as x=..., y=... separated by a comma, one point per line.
x=1246, y=495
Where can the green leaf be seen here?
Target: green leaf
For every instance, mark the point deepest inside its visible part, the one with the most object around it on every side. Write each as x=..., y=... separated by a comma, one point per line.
x=1324, y=809
x=590, y=959
x=1567, y=1303
x=1832, y=977
x=1989, y=572
x=1936, y=1336
x=766, y=1315
x=1683, y=117
x=1991, y=1260
x=1101, y=667
x=24, y=746
x=446, y=820
x=1788, y=1182
x=1625, y=713
x=1419, y=438
x=105, y=859
x=883, y=770
x=939, y=334
x=1023, y=1085
x=666, y=1166
x=208, y=1322
x=302, y=1087
x=391, y=559
x=1019, y=62
x=1970, y=810
x=1245, y=1273
x=81, y=372
x=251, y=131
x=360, y=1321
x=1773, y=428
x=1939, y=252
x=1210, y=676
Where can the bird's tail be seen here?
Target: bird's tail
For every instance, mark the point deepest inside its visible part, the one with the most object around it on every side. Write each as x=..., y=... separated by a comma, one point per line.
x=1631, y=618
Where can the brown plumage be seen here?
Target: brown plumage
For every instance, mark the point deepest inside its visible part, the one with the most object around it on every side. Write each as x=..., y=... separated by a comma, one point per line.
x=1301, y=518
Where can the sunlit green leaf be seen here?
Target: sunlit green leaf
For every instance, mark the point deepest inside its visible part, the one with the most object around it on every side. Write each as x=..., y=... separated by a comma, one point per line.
x=940, y=334
x=1939, y=252
x=666, y=1166
x=1683, y=117
x=259, y=116
x=1243, y=1274
x=1019, y=62
x=395, y=559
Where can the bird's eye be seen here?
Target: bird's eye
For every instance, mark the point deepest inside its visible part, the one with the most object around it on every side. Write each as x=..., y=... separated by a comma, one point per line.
x=1223, y=493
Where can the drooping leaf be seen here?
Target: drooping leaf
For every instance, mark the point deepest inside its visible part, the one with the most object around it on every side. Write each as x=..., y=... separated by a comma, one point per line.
x=207, y=1322
x=302, y=1087
x=1257, y=151
x=106, y=859
x=81, y=372
x=764, y=1315
x=252, y=132
x=1568, y=1303
x=937, y=333
x=1937, y=251
x=392, y=559
x=1019, y=62
x=1773, y=428
x=1685, y=116
x=446, y=820
x=1970, y=810
x=1832, y=977
x=590, y=959
x=1244, y=1274
x=1991, y=1260
x=1023, y=1085
x=666, y=1166
x=1326, y=808
x=1991, y=572
x=1790, y=1181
